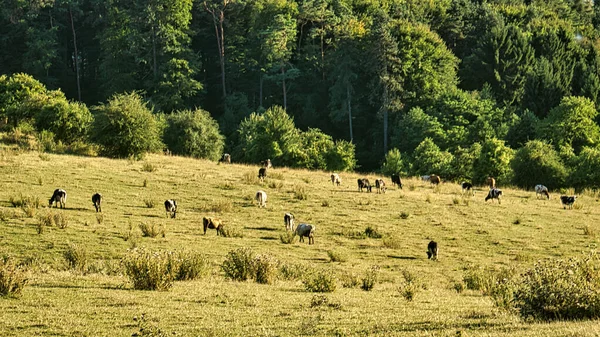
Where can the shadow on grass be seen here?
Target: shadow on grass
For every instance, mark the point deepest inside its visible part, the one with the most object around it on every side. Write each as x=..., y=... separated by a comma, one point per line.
x=402, y=257
x=261, y=228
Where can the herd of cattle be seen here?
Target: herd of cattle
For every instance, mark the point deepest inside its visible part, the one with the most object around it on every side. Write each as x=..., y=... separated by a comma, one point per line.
x=59, y=197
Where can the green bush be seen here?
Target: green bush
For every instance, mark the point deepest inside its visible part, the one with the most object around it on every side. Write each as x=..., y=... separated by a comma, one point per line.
x=76, y=257
x=429, y=159
x=320, y=282
x=265, y=269
x=561, y=289
x=494, y=160
x=291, y=271
x=194, y=133
x=410, y=285
x=150, y=270
x=14, y=91
x=585, y=168
x=125, y=127
x=239, y=264
x=393, y=163
x=68, y=121
x=370, y=279
x=336, y=256
x=190, y=266
x=538, y=162
x=13, y=278
x=287, y=238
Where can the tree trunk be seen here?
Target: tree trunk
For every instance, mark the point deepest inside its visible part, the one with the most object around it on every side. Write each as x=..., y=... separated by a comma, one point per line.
x=284, y=89
x=218, y=16
x=349, y=103
x=260, y=90
x=154, y=62
x=76, y=55
x=385, y=120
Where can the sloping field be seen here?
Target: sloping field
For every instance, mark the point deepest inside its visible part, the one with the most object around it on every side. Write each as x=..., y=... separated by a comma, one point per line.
x=60, y=302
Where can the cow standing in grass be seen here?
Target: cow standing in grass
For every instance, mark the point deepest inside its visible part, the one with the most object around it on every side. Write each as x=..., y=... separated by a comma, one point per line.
x=171, y=208
x=567, y=201
x=380, y=186
x=262, y=173
x=226, y=158
x=59, y=197
x=541, y=190
x=335, y=179
x=467, y=187
x=432, y=250
x=288, y=220
x=261, y=198
x=305, y=230
x=97, y=200
x=364, y=183
x=435, y=180
x=396, y=180
x=494, y=193
x=213, y=223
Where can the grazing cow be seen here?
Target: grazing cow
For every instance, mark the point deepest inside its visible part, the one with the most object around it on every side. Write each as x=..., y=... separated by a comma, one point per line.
x=491, y=182
x=262, y=173
x=97, y=200
x=213, y=223
x=494, y=193
x=226, y=158
x=435, y=180
x=396, y=180
x=425, y=178
x=288, y=220
x=364, y=183
x=261, y=198
x=305, y=230
x=380, y=185
x=541, y=190
x=266, y=163
x=171, y=208
x=432, y=250
x=59, y=197
x=335, y=179
x=567, y=201
x=467, y=187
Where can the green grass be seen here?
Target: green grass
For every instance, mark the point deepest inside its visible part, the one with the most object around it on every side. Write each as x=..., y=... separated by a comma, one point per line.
x=102, y=302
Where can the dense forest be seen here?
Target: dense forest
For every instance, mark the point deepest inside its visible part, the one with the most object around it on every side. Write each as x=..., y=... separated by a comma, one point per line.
x=462, y=88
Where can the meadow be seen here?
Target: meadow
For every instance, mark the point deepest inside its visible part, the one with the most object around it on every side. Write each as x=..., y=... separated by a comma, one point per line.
x=100, y=301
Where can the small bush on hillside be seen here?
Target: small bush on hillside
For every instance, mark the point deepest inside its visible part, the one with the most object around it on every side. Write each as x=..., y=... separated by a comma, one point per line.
x=373, y=233
x=477, y=278
x=336, y=256
x=148, y=167
x=538, y=161
x=149, y=203
x=589, y=231
x=370, y=279
x=410, y=285
x=322, y=300
x=150, y=270
x=350, y=280
x=152, y=230
x=561, y=289
x=265, y=269
x=238, y=264
x=220, y=206
x=194, y=133
x=13, y=278
x=404, y=215
x=393, y=163
x=190, y=266
x=287, y=237
x=291, y=271
x=61, y=220
x=300, y=193
x=100, y=218
x=230, y=232
x=25, y=201
x=250, y=178
x=392, y=242
x=76, y=257
x=320, y=282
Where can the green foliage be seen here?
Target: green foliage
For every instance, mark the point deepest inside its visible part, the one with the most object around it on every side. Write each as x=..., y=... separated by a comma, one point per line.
x=393, y=163
x=464, y=159
x=190, y=266
x=494, y=160
x=13, y=278
x=585, y=168
x=14, y=91
x=538, y=162
x=265, y=269
x=125, y=127
x=194, y=133
x=150, y=270
x=370, y=279
x=523, y=130
x=561, y=289
x=429, y=159
x=76, y=257
x=68, y=121
x=414, y=127
x=572, y=124
x=341, y=157
x=320, y=282
x=238, y=264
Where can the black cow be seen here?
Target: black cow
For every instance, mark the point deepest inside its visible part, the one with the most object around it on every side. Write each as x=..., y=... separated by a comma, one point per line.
x=567, y=201
x=494, y=193
x=262, y=173
x=467, y=187
x=59, y=197
x=432, y=250
x=396, y=180
x=97, y=200
x=364, y=183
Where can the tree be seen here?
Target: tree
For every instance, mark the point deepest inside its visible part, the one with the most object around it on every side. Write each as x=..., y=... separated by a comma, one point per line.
x=572, y=123
x=538, y=162
x=494, y=160
x=217, y=13
x=14, y=91
x=194, y=133
x=414, y=127
x=124, y=127
x=429, y=159
x=393, y=163
x=523, y=130
x=585, y=171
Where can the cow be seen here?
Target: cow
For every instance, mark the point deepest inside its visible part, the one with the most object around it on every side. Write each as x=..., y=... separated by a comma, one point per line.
x=494, y=193
x=171, y=208
x=396, y=180
x=467, y=187
x=262, y=173
x=425, y=178
x=335, y=179
x=288, y=220
x=59, y=197
x=266, y=163
x=225, y=158
x=432, y=250
x=97, y=200
x=541, y=190
x=567, y=201
x=261, y=198
x=305, y=230
x=491, y=182
x=380, y=185
x=364, y=183
x=213, y=223
x=435, y=180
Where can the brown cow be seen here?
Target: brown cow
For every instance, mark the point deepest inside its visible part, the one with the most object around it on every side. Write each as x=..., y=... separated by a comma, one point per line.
x=435, y=180
x=213, y=223
x=491, y=182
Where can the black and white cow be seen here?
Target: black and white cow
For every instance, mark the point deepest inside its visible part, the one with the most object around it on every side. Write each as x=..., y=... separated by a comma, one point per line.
x=380, y=185
x=432, y=250
x=97, y=200
x=288, y=220
x=541, y=190
x=59, y=197
x=262, y=173
x=396, y=180
x=171, y=208
x=467, y=187
x=364, y=183
x=226, y=158
x=567, y=201
x=494, y=193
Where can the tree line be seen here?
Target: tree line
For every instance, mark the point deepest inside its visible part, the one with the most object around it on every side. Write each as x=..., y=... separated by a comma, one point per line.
x=484, y=87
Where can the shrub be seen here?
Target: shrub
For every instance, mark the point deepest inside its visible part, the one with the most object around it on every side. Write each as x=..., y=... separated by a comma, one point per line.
x=13, y=278
x=350, y=280
x=61, y=220
x=561, y=289
x=220, y=206
x=428, y=159
x=238, y=264
x=25, y=201
x=320, y=282
x=190, y=266
x=287, y=237
x=404, y=215
x=150, y=270
x=393, y=163
x=194, y=133
x=14, y=91
x=125, y=127
x=149, y=203
x=336, y=256
x=494, y=160
x=322, y=300
x=69, y=122
x=265, y=269
x=370, y=278
x=410, y=285
x=373, y=233
x=151, y=230
x=538, y=161
x=291, y=271
x=230, y=232
x=392, y=242
x=148, y=167
x=76, y=257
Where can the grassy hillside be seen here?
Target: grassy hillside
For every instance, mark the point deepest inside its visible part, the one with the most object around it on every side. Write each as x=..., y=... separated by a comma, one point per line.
x=61, y=302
